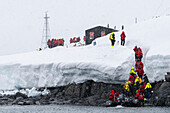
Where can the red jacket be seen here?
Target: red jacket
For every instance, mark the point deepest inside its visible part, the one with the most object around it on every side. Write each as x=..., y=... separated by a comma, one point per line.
x=84, y=38
x=139, y=63
x=139, y=96
x=131, y=79
x=71, y=40
x=48, y=42
x=140, y=71
x=135, y=50
x=142, y=86
x=123, y=36
x=139, y=52
x=112, y=94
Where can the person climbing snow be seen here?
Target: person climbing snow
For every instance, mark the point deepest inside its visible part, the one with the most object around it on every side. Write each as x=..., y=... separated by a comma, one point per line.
x=138, y=53
x=140, y=72
x=123, y=36
x=112, y=38
x=138, y=63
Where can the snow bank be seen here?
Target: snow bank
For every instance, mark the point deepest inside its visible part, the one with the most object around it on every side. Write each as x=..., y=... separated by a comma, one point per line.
x=101, y=63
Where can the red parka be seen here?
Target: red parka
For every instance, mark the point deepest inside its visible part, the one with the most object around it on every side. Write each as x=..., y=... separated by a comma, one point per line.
x=135, y=50
x=131, y=79
x=142, y=86
x=123, y=36
x=140, y=71
x=138, y=63
x=139, y=52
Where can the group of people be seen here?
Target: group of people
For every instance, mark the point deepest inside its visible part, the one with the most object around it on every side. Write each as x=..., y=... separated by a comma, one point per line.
x=74, y=40
x=138, y=84
x=112, y=38
x=55, y=42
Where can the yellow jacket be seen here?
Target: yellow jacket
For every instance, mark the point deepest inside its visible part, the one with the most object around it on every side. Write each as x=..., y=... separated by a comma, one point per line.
x=138, y=79
x=132, y=71
x=111, y=36
x=148, y=85
x=126, y=86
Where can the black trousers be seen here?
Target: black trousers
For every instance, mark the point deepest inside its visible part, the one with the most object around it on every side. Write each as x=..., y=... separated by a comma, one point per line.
x=113, y=42
x=122, y=42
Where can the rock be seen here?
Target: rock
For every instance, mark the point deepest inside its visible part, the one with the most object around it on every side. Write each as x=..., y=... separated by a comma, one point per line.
x=161, y=94
x=167, y=102
x=28, y=102
x=20, y=103
x=168, y=73
x=37, y=103
x=17, y=100
x=167, y=77
x=18, y=94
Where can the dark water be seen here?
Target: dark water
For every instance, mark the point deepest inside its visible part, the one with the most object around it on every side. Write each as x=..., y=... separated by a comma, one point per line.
x=81, y=109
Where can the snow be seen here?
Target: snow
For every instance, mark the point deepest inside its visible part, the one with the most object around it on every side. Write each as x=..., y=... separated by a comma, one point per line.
x=101, y=63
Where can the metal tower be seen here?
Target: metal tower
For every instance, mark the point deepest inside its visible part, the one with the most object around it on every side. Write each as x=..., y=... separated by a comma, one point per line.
x=46, y=32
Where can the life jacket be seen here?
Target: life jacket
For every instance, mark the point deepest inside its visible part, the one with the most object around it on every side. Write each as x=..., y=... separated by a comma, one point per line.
x=148, y=85
x=112, y=36
x=138, y=79
x=126, y=86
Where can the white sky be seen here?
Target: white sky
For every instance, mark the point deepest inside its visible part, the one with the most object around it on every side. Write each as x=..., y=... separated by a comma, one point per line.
x=21, y=22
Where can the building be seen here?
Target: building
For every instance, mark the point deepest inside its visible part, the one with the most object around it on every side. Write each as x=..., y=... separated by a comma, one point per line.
x=96, y=32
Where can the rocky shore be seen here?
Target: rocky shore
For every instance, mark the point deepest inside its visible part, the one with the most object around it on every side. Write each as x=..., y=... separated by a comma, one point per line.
x=89, y=93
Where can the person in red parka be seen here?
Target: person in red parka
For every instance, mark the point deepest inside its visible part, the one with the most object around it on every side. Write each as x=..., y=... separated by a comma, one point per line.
x=49, y=43
x=113, y=96
x=123, y=36
x=140, y=72
x=139, y=96
x=142, y=87
x=140, y=54
x=138, y=63
x=136, y=52
x=131, y=85
x=71, y=40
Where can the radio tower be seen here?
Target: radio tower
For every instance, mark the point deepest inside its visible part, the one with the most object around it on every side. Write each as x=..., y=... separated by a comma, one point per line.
x=46, y=32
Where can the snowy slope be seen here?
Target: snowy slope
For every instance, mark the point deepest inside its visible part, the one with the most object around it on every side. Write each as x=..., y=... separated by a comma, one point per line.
x=61, y=66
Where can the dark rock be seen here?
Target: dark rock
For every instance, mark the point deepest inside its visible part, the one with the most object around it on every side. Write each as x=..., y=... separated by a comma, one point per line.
x=18, y=94
x=167, y=78
x=168, y=73
x=161, y=94
x=17, y=100
x=167, y=102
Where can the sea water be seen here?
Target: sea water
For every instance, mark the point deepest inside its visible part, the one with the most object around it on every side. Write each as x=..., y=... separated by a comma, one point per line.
x=80, y=109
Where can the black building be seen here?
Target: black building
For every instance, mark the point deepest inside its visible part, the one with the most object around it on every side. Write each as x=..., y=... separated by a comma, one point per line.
x=96, y=32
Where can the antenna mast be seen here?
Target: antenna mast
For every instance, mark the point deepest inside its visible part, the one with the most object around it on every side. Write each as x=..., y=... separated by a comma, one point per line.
x=46, y=32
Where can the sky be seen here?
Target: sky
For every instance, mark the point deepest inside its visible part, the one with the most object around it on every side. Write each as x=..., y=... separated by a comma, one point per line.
x=22, y=20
